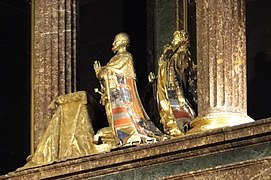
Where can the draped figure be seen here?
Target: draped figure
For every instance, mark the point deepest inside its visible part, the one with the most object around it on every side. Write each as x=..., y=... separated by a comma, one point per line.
x=126, y=116
x=174, y=109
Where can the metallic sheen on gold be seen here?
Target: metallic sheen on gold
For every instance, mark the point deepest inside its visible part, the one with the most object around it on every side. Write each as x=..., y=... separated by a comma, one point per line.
x=174, y=109
x=69, y=134
x=218, y=120
x=127, y=118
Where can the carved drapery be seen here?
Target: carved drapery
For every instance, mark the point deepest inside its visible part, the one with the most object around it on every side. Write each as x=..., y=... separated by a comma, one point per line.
x=221, y=59
x=53, y=58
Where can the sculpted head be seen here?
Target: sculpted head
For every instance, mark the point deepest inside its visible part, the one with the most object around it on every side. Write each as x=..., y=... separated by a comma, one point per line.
x=180, y=38
x=121, y=41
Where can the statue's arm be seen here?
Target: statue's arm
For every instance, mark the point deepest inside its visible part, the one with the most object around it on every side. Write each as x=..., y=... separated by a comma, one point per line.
x=99, y=70
x=97, y=67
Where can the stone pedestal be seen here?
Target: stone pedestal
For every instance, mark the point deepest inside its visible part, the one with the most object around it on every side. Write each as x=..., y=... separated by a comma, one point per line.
x=221, y=62
x=53, y=58
x=239, y=152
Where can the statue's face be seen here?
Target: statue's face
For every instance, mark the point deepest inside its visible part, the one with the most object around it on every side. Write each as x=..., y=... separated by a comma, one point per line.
x=179, y=38
x=176, y=41
x=121, y=40
x=116, y=44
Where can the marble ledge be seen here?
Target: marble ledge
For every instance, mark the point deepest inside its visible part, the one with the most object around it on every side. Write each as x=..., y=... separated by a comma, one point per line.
x=171, y=158
x=251, y=169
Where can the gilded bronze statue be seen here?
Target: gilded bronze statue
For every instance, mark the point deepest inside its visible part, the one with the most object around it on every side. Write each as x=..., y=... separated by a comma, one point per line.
x=69, y=134
x=128, y=121
x=174, y=109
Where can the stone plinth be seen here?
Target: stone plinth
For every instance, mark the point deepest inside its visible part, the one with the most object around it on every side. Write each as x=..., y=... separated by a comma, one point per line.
x=228, y=151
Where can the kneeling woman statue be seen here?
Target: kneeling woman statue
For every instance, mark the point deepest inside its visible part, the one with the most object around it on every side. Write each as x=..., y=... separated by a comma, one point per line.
x=126, y=116
x=174, y=109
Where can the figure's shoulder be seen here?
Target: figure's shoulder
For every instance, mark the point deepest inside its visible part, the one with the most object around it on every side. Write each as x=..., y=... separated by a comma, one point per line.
x=120, y=58
x=125, y=55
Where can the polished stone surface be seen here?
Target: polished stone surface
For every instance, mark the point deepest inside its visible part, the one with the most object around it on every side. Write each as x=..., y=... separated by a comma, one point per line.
x=221, y=64
x=53, y=59
x=161, y=24
x=221, y=56
x=251, y=169
x=242, y=147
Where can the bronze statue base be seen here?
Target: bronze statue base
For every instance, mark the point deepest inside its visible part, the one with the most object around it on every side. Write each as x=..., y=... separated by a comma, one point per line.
x=218, y=120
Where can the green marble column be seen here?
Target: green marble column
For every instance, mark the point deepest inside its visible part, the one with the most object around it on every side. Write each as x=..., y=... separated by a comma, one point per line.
x=161, y=23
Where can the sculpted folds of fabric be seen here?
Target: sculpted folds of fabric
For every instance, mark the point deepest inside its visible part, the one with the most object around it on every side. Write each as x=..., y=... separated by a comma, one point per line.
x=125, y=113
x=69, y=134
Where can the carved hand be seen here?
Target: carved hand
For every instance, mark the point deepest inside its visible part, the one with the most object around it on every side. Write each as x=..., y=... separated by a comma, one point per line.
x=97, y=67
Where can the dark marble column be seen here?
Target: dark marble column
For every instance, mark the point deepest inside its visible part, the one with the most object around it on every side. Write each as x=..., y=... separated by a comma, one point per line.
x=221, y=59
x=53, y=58
x=161, y=23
